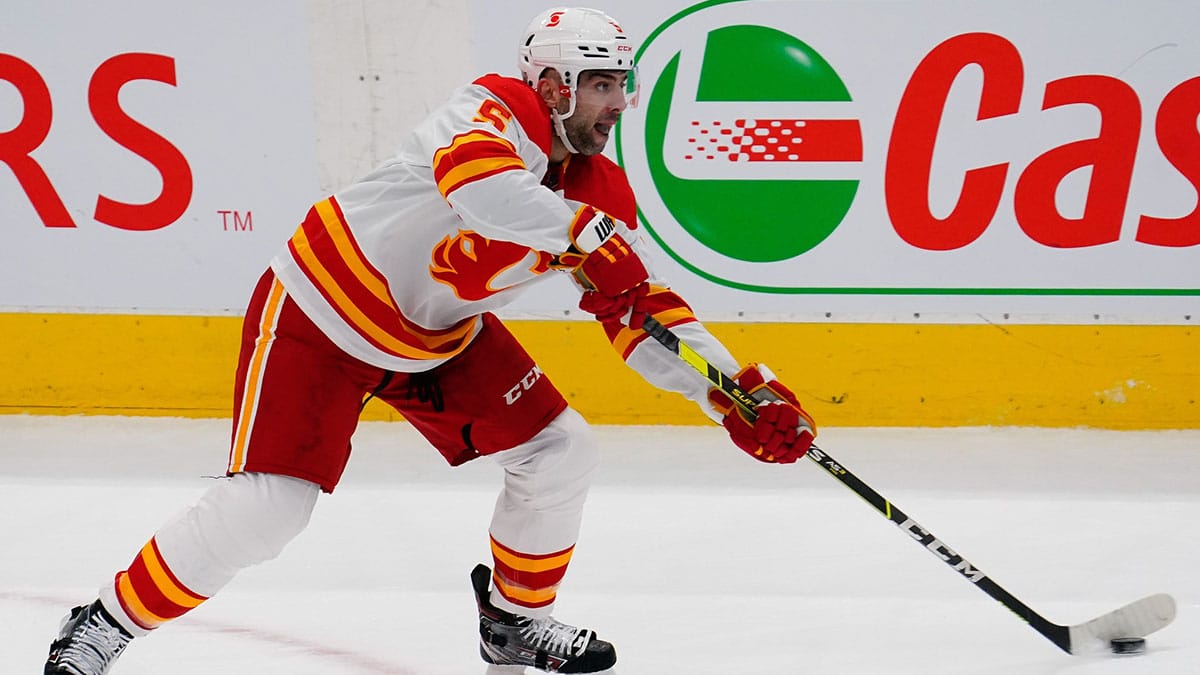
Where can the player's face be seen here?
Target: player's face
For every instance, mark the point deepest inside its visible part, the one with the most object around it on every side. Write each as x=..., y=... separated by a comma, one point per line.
x=599, y=103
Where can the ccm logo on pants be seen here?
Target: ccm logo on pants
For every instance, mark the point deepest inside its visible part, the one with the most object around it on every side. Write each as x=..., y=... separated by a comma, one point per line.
x=526, y=383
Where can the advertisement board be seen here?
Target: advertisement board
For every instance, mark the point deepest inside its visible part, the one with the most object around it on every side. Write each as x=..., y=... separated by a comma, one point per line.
x=901, y=158
x=153, y=156
x=924, y=212
x=950, y=159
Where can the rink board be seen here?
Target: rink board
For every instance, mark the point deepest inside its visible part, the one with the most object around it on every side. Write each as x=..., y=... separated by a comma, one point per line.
x=846, y=374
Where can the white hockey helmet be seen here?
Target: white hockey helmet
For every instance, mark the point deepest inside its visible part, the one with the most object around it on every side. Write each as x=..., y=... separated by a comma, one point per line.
x=572, y=40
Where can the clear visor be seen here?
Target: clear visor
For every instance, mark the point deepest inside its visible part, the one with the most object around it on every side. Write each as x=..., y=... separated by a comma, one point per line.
x=631, y=87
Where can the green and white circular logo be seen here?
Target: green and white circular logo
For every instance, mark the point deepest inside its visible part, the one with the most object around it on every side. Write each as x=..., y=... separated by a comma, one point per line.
x=748, y=138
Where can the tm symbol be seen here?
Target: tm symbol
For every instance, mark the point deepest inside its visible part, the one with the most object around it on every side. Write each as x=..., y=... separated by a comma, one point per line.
x=233, y=220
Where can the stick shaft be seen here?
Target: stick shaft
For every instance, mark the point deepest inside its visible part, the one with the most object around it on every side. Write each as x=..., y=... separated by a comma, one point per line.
x=1059, y=635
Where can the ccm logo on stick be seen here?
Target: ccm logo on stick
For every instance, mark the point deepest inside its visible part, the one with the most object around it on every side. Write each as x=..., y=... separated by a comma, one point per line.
x=941, y=550
x=18, y=144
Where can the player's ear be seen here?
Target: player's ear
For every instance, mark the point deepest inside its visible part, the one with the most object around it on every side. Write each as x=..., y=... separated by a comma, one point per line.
x=552, y=90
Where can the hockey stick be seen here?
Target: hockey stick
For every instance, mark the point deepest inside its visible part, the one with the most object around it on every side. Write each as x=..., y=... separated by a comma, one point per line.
x=1135, y=620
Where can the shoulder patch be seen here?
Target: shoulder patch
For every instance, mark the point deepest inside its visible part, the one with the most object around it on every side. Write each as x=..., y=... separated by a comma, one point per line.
x=529, y=108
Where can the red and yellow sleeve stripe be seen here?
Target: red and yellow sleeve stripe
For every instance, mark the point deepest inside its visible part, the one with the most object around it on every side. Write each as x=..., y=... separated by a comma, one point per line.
x=325, y=249
x=473, y=156
x=664, y=305
x=528, y=580
x=150, y=594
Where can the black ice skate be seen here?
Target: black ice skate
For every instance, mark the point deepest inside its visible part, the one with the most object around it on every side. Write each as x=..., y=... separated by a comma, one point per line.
x=512, y=640
x=89, y=640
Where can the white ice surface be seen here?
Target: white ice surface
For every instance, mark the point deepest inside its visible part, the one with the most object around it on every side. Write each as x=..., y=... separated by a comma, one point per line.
x=693, y=560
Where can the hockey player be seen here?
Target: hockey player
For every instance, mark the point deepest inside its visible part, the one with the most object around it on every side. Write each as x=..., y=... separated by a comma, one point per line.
x=386, y=291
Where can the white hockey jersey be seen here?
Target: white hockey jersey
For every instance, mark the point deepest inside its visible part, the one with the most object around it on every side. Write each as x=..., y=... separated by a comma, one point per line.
x=398, y=267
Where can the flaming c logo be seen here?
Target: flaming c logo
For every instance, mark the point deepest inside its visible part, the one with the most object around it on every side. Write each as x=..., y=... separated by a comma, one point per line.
x=477, y=267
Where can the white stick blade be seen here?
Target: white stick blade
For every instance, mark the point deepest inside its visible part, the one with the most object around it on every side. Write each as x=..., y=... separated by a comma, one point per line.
x=1137, y=619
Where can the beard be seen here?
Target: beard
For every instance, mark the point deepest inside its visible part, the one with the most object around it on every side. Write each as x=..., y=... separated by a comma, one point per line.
x=583, y=136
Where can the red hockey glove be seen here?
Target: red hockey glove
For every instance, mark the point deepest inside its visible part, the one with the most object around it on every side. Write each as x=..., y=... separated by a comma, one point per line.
x=600, y=258
x=608, y=308
x=782, y=432
x=607, y=266
x=612, y=269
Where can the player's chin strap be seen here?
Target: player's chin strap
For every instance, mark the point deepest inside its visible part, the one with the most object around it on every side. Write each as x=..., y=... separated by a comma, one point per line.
x=1137, y=619
x=561, y=130
x=559, y=118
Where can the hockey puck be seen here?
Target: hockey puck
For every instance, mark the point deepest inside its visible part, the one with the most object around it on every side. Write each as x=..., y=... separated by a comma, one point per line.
x=1132, y=645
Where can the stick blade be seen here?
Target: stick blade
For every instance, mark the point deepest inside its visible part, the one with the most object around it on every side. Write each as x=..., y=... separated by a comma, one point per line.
x=1137, y=619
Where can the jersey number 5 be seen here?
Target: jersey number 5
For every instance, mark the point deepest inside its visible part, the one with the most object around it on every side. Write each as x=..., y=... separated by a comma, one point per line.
x=495, y=113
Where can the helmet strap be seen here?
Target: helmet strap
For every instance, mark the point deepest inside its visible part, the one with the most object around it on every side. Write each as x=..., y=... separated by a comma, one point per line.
x=561, y=129
x=559, y=118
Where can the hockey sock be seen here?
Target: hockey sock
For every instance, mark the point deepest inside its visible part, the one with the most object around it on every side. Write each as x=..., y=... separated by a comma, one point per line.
x=529, y=583
x=148, y=592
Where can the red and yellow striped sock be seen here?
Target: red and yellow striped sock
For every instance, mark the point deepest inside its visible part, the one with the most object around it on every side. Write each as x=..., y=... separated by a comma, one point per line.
x=525, y=580
x=150, y=594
